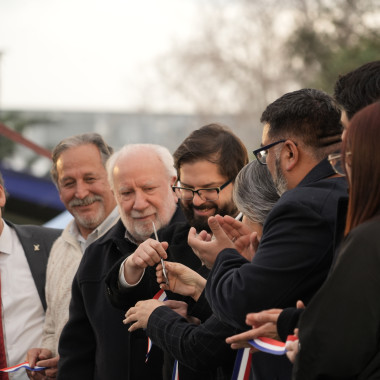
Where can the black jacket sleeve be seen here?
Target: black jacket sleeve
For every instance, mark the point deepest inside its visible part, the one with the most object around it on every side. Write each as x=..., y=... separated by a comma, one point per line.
x=77, y=342
x=291, y=263
x=199, y=347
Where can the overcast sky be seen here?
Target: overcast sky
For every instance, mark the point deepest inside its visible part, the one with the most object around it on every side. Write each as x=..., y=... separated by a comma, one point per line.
x=85, y=54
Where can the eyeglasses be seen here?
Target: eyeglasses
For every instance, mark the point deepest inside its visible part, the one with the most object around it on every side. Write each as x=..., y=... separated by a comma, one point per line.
x=261, y=154
x=210, y=194
x=336, y=162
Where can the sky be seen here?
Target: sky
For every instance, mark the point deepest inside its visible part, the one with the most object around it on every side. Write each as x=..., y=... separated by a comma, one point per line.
x=86, y=54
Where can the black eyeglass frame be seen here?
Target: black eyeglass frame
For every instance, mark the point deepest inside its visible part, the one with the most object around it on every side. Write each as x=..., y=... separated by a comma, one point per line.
x=265, y=147
x=218, y=190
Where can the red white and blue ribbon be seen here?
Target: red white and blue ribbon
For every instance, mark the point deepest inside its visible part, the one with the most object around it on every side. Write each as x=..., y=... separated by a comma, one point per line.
x=242, y=365
x=160, y=296
x=175, y=375
x=271, y=346
x=22, y=365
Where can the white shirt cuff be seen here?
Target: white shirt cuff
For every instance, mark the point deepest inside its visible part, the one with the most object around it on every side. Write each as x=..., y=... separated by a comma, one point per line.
x=123, y=283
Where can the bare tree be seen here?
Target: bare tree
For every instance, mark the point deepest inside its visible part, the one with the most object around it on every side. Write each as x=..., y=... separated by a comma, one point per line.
x=246, y=53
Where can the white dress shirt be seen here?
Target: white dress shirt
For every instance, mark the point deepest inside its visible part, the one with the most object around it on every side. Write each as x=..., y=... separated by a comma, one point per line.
x=23, y=314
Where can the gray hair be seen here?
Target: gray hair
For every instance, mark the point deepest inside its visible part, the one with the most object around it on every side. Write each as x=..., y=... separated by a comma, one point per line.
x=254, y=193
x=75, y=141
x=162, y=153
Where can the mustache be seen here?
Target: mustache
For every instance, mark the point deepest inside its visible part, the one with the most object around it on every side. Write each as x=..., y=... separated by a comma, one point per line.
x=85, y=201
x=203, y=206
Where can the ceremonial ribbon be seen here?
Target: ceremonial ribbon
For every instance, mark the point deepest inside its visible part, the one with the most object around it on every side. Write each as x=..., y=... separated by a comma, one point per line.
x=22, y=365
x=160, y=296
x=271, y=346
x=175, y=375
x=242, y=365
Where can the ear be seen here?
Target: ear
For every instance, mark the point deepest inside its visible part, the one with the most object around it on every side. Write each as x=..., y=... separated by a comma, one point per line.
x=2, y=196
x=173, y=180
x=290, y=155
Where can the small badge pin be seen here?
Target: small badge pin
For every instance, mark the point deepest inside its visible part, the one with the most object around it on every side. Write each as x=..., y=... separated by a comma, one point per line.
x=36, y=247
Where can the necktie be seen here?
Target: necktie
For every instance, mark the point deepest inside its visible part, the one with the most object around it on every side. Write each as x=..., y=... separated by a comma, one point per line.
x=3, y=358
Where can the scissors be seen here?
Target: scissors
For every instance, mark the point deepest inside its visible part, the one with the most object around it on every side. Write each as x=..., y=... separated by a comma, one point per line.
x=162, y=261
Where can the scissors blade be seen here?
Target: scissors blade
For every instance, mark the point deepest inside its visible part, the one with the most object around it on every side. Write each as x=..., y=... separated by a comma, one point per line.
x=162, y=260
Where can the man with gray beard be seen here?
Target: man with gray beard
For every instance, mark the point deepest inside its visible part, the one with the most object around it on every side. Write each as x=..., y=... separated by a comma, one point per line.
x=80, y=176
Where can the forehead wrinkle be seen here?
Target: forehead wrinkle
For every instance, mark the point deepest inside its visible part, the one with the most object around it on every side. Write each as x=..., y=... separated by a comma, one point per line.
x=139, y=184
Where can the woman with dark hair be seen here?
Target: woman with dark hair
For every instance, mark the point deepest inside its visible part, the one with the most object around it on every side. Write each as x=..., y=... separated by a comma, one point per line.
x=339, y=331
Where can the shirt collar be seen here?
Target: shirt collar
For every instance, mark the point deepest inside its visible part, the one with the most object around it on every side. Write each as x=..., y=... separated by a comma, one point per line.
x=98, y=231
x=6, y=239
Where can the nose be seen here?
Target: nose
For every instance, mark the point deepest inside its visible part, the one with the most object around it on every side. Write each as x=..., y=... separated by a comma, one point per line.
x=197, y=201
x=81, y=190
x=140, y=201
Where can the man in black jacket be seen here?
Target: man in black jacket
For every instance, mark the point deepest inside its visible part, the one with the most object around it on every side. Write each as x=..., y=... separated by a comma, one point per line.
x=296, y=250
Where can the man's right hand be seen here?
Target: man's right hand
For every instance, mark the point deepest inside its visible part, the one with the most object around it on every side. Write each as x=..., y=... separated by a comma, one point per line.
x=147, y=254
x=42, y=357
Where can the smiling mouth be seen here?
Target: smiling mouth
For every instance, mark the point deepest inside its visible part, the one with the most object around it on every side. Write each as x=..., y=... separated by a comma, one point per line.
x=141, y=217
x=203, y=210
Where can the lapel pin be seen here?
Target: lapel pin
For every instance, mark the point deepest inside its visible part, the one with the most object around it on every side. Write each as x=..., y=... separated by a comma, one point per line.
x=36, y=247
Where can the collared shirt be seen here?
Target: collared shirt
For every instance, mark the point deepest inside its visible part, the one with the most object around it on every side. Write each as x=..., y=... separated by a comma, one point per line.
x=21, y=304
x=99, y=231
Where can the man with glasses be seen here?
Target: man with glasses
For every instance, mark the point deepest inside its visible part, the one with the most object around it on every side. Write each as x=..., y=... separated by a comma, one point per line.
x=353, y=91
x=207, y=162
x=296, y=249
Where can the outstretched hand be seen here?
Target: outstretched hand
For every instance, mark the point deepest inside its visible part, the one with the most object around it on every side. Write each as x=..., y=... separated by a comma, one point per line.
x=140, y=313
x=263, y=324
x=182, y=280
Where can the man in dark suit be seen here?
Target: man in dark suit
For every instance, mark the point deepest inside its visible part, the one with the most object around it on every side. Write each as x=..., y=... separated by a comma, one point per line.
x=24, y=252
x=296, y=250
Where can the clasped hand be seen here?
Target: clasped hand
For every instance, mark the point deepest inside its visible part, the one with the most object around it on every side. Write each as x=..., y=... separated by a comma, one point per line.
x=227, y=233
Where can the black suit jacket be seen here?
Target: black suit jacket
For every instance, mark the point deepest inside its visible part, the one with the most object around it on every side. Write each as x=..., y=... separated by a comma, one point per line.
x=37, y=242
x=178, y=251
x=291, y=263
x=95, y=344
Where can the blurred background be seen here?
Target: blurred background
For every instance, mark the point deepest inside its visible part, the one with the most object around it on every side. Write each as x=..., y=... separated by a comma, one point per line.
x=154, y=70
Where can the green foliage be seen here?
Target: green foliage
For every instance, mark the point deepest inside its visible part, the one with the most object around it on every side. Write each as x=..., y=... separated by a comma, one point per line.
x=332, y=38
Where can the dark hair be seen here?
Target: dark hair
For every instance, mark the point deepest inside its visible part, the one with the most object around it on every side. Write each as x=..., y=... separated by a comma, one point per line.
x=358, y=88
x=74, y=141
x=309, y=115
x=362, y=140
x=216, y=144
x=254, y=192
